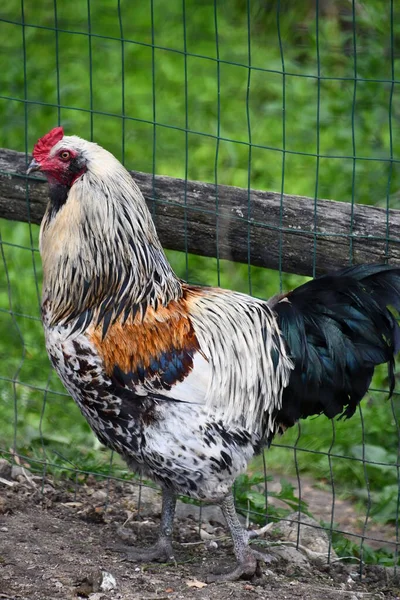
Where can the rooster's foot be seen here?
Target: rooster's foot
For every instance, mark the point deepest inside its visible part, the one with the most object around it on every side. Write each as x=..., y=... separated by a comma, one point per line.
x=162, y=550
x=248, y=567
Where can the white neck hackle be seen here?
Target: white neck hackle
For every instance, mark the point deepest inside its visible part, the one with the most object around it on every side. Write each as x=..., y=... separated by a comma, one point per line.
x=102, y=243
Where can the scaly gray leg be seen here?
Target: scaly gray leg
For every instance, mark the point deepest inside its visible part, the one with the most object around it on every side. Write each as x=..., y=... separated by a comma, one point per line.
x=246, y=557
x=162, y=550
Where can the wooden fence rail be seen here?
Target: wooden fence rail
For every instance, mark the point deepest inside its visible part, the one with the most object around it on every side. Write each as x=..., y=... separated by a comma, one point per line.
x=233, y=223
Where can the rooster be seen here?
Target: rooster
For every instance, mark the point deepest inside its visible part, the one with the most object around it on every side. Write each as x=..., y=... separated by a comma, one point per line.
x=188, y=383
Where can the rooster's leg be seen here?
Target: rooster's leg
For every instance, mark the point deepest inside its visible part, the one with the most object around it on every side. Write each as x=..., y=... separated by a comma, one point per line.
x=247, y=558
x=162, y=550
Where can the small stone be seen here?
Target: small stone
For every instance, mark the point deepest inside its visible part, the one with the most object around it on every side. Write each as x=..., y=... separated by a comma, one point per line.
x=5, y=468
x=269, y=573
x=212, y=545
x=108, y=582
x=99, y=496
x=17, y=472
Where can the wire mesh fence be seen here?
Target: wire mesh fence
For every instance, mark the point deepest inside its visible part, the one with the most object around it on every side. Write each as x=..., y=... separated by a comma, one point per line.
x=252, y=95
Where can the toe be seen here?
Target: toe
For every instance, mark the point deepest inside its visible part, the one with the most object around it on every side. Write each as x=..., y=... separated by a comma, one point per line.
x=160, y=552
x=265, y=558
x=247, y=568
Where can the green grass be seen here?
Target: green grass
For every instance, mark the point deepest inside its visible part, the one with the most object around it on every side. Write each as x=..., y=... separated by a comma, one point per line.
x=194, y=91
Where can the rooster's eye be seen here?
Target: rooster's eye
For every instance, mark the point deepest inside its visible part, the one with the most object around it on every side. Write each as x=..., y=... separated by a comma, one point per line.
x=65, y=155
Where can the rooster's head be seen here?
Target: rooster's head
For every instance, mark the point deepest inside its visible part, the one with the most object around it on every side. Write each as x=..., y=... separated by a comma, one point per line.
x=59, y=158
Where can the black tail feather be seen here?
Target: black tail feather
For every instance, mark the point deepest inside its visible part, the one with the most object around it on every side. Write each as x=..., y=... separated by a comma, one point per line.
x=338, y=328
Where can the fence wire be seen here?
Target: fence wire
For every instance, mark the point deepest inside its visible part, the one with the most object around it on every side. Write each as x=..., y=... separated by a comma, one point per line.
x=255, y=96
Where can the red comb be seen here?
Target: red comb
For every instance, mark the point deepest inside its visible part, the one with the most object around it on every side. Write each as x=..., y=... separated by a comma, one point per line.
x=44, y=145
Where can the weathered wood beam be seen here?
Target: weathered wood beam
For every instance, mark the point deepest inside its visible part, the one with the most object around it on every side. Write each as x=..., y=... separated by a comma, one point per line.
x=230, y=223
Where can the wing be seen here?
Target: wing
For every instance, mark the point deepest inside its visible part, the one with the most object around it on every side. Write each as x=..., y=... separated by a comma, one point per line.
x=212, y=347
x=156, y=353
x=249, y=364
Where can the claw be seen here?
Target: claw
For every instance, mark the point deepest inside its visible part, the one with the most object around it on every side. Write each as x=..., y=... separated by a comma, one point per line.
x=265, y=558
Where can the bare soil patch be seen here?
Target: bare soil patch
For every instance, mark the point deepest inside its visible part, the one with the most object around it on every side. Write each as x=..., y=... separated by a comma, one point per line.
x=57, y=541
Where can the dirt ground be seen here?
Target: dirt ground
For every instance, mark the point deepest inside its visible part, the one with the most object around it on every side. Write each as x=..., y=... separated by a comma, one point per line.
x=58, y=541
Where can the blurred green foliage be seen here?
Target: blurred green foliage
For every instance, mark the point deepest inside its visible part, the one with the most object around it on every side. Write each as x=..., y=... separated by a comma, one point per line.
x=216, y=121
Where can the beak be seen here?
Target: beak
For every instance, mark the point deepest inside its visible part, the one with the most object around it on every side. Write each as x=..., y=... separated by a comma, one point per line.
x=34, y=166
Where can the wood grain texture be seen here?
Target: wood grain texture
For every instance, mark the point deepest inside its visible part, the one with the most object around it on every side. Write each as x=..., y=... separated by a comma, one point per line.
x=255, y=227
